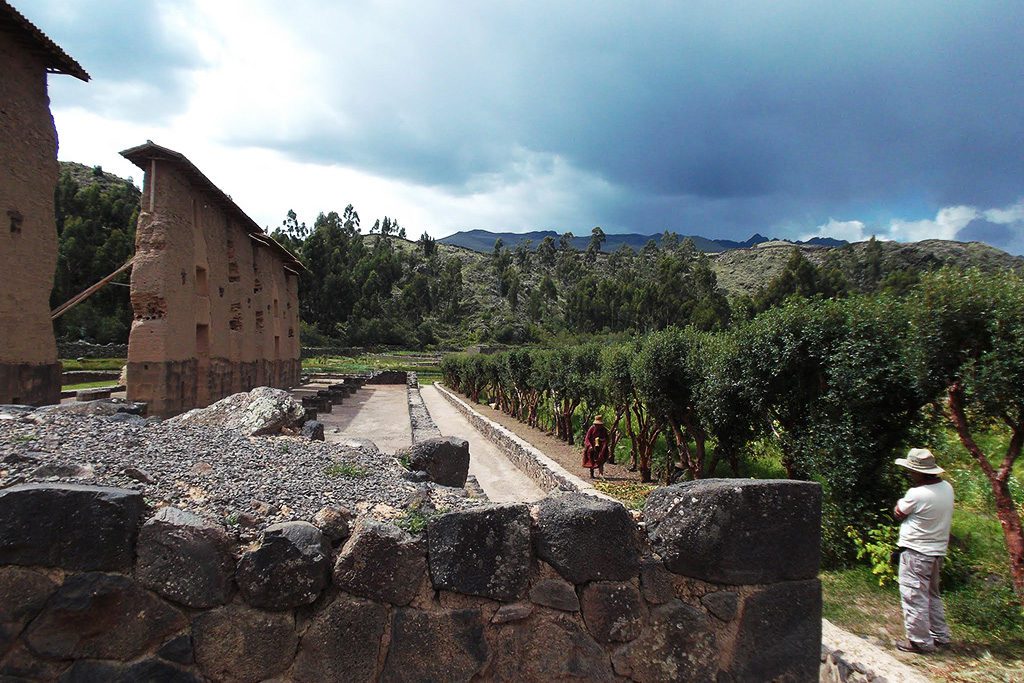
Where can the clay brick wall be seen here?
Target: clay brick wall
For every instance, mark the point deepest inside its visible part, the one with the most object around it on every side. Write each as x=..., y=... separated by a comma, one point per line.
x=215, y=300
x=29, y=371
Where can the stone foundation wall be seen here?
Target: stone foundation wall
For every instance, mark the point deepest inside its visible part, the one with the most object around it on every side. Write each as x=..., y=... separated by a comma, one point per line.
x=215, y=300
x=84, y=349
x=388, y=377
x=30, y=384
x=94, y=586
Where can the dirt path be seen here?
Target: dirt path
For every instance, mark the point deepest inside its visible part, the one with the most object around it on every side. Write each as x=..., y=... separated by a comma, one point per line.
x=569, y=457
x=502, y=481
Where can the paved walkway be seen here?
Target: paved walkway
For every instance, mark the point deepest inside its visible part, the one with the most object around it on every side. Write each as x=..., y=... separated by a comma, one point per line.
x=502, y=481
x=379, y=413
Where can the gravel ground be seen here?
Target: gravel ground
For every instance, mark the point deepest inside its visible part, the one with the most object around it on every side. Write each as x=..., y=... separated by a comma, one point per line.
x=246, y=482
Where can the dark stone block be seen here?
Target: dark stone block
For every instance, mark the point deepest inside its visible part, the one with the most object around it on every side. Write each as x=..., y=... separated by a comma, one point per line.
x=444, y=459
x=237, y=643
x=655, y=581
x=677, y=645
x=185, y=558
x=516, y=611
x=101, y=616
x=381, y=562
x=484, y=551
x=436, y=646
x=737, y=531
x=335, y=523
x=548, y=646
x=779, y=635
x=289, y=568
x=23, y=592
x=19, y=665
x=69, y=526
x=144, y=671
x=722, y=604
x=313, y=430
x=343, y=643
x=555, y=593
x=587, y=538
x=178, y=650
x=612, y=611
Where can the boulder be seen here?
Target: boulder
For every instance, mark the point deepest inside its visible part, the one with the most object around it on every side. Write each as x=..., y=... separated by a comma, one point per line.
x=237, y=643
x=264, y=410
x=677, y=645
x=445, y=459
x=313, y=430
x=288, y=568
x=178, y=650
x=23, y=592
x=101, y=616
x=334, y=522
x=722, y=604
x=185, y=558
x=69, y=526
x=655, y=581
x=381, y=562
x=779, y=636
x=613, y=612
x=737, y=531
x=586, y=538
x=436, y=646
x=19, y=665
x=548, y=646
x=343, y=643
x=555, y=593
x=483, y=551
x=150, y=669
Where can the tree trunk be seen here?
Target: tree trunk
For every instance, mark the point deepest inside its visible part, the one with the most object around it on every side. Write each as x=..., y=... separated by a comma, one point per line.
x=1006, y=511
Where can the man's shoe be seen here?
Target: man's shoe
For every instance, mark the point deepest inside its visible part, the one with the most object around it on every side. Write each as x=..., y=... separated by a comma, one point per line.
x=943, y=644
x=911, y=646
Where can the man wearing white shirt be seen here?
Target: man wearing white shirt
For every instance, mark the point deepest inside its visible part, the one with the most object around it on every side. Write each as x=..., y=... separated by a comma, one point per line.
x=925, y=514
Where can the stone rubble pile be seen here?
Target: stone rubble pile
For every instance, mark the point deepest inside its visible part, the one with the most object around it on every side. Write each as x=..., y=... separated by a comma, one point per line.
x=246, y=482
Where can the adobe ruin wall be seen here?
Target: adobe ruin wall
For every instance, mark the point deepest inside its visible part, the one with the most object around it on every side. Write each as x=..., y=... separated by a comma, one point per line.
x=215, y=299
x=29, y=369
x=716, y=582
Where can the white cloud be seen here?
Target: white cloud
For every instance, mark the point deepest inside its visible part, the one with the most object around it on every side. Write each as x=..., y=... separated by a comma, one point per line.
x=946, y=224
x=851, y=231
x=1007, y=216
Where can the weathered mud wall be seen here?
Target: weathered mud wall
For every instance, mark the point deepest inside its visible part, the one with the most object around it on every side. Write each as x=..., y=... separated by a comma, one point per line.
x=29, y=371
x=215, y=301
x=717, y=583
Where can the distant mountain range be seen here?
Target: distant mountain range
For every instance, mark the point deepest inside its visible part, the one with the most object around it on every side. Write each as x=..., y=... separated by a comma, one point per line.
x=483, y=240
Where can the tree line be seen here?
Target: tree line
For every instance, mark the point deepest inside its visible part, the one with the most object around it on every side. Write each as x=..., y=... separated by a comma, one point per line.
x=839, y=387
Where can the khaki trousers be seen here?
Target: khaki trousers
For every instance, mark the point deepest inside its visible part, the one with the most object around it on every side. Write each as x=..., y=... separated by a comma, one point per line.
x=923, y=615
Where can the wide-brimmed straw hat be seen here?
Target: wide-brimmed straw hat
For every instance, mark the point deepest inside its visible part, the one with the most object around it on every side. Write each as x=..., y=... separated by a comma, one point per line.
x=598, y=420
x=920, y=460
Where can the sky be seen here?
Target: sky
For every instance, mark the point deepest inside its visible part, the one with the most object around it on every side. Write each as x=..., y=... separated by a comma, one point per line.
x=722, y=119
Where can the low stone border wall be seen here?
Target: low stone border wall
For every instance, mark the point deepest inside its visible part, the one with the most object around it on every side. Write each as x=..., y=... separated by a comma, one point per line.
x=846, y=658
x=82, y=376
x=423, y=426
x=544, y=471
x=84, y=349
x=97, y=587
x=388, y=377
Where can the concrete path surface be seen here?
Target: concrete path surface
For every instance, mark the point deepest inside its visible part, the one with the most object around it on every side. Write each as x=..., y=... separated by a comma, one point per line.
x=379, y=413
x=502, y=481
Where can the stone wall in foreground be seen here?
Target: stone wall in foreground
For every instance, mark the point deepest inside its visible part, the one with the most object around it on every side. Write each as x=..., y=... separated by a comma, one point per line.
x=716, y=583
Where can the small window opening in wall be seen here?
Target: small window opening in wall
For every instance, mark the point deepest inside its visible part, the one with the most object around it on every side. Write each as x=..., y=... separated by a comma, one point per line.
x=221, y=290
x=16, y=220
x=183, y=277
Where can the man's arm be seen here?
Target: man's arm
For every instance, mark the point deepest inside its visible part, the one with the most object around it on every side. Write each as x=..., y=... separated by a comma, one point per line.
x=899, y=514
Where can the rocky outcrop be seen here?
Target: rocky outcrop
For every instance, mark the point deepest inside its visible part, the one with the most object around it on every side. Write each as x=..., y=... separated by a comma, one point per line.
x=444, y=459
x=264, y=410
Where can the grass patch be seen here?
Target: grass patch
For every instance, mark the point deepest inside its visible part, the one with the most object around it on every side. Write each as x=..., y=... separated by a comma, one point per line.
x=632, y=494
x=93, y=363
x=344, y=469
x=90, y=385
x=425, y=365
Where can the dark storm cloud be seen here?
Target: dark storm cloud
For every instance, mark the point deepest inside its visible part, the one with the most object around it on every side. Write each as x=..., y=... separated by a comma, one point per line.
x=739, y=115
x=138, y=64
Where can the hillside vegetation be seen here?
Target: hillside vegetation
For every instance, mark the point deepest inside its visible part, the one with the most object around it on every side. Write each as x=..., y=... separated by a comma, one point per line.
x=371, y=286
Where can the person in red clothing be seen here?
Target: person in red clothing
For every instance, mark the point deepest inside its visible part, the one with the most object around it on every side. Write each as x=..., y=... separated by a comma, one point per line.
x=595, y=447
